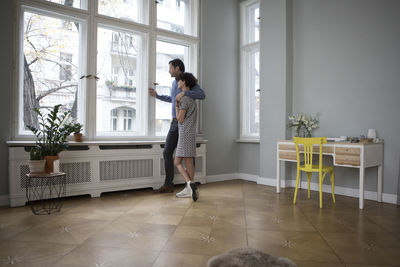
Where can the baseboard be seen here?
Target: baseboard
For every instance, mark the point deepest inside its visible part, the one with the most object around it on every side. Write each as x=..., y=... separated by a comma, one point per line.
x=222, y=177
x=272, y=182
x=349, y=192
x=339, y=190
x=4, y=200
x=247, y=177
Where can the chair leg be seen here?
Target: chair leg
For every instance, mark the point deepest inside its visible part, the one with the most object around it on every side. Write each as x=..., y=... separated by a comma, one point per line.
x=320, y=190
x=309, y=179
x=333, y=185
x=297, y=184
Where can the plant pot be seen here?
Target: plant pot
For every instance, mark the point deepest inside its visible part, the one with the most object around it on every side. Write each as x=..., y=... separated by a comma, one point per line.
x=37, y=166
x=50, y=161
x=78, y=137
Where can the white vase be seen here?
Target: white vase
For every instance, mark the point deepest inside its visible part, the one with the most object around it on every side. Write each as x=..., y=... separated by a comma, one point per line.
x=371, y=133
x=36, y=166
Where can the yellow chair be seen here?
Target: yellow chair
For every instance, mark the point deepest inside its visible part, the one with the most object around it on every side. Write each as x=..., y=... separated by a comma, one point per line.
x=306, y=145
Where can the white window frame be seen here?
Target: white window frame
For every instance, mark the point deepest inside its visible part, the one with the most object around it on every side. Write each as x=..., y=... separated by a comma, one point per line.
x=51, y=10
x=247, y=48
x=90, y=19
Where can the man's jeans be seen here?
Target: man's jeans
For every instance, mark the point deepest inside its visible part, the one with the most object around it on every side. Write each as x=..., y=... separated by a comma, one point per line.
x=170, y=145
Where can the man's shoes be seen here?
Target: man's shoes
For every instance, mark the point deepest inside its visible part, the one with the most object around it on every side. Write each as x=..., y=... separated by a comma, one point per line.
x=195, y=192
x=164, y=189
x=186, y=192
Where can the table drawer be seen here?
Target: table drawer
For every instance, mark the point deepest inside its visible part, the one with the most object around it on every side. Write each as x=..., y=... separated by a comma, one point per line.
x=347, y=151
x=287, y=155
x=325, y=149
x=347, y=160
x=287, y=147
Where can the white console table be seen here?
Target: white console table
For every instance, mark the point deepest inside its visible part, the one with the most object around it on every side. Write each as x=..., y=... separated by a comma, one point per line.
x=345, y=154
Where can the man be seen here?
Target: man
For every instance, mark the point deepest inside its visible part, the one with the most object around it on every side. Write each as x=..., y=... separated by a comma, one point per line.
x=176, y=67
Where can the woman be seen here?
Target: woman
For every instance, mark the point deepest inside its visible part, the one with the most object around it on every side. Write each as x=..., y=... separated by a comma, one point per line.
x=186, y=148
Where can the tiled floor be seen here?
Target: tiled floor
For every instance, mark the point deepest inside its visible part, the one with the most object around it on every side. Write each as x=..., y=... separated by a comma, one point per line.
x=138, y=228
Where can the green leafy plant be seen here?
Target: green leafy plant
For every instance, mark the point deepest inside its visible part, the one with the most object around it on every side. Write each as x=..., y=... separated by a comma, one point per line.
x=35, y=153
x=53, y=130
x=76, y=127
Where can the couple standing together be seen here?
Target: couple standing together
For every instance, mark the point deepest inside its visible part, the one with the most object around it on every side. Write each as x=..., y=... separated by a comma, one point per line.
x=182, y=132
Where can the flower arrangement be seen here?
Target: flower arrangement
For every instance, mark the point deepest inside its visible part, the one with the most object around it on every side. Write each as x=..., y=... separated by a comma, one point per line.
x=303, y=122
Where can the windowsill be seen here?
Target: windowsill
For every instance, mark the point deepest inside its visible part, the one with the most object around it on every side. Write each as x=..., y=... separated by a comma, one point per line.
x=104, y=142
x=250, y=141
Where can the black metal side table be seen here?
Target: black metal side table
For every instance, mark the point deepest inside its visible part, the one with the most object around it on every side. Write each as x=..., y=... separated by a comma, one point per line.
x=45, y=192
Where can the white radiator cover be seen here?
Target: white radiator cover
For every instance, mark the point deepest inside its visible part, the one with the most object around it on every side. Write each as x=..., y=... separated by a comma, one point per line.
x=96, y=170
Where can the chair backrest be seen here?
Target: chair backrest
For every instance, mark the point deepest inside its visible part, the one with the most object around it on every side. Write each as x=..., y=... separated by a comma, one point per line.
x=308, y=143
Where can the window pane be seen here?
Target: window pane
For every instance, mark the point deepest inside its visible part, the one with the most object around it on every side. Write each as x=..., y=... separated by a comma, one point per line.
x=254, y=93
x=254, y=23
x=165, y=53
x=174, y=15
x=131, y=10
x=51, y=66
x=72, y=3
x=118, y=57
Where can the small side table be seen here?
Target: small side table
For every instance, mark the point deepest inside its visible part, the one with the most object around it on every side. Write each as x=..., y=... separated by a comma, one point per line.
x=45, y=192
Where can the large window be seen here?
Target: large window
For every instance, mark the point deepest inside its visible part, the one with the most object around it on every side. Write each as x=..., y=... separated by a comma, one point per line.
x=250, y=71
x=50, y=63
x=98, y=58
x=166, y=51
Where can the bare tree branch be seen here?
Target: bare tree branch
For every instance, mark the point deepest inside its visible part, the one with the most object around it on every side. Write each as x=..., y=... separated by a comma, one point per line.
x=52, y=90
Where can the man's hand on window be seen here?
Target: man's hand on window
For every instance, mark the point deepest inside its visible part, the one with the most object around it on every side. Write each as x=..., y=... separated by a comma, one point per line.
x=152, y=92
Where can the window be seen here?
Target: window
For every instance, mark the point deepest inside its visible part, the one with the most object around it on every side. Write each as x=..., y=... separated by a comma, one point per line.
x=130, y=10
x=72, y=3
x=128, y=120
x=177, y=16
x=103, y=81
x=114, y=119
x=49, y=65
x=166, y=51
x=250, y=69
x=65, y=66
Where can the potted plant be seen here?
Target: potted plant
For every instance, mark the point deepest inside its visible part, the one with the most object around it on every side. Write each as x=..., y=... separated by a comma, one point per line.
x=36, y=162
x=76, y=128
x=51, y=134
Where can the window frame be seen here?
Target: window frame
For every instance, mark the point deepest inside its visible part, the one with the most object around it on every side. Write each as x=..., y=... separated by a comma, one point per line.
x=247, y=48
x=51, y=10
x=88, y=16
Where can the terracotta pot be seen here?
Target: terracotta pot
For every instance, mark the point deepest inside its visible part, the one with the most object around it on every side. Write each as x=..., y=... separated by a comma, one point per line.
x=50, y=163
x=37, y=166
x=78, y=137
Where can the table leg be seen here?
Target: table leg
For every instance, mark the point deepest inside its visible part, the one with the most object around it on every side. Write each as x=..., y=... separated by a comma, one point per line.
x=361, y=192
x=278, y=175
x=380, y=178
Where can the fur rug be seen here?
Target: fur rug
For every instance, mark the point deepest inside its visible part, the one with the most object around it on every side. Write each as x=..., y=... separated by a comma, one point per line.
x=248, y=257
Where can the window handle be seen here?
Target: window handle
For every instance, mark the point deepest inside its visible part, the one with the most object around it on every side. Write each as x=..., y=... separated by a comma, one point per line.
x=89, y=76
x=155, y=84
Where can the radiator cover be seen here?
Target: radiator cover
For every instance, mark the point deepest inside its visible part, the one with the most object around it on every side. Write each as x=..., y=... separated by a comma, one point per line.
x=102, y=168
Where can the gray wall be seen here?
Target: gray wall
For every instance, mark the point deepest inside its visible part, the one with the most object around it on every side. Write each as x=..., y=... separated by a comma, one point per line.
x=347, y=67
x=249, y=161
x=275, y=80
x=6, y=52
x=220, y=79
